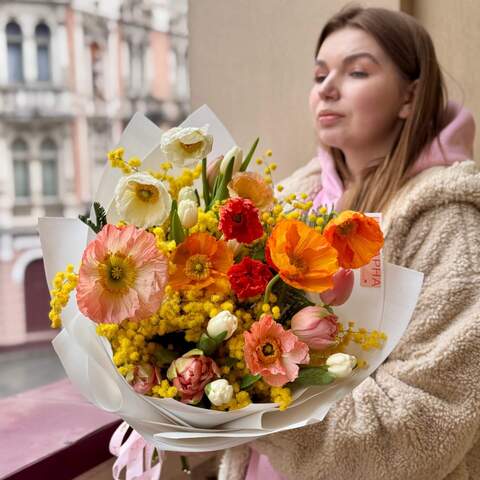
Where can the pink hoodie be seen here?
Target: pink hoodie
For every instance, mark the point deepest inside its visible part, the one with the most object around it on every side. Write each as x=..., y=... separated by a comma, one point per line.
x=456, y=137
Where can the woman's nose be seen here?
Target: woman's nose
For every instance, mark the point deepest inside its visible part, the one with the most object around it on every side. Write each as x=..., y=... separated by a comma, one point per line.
x=328, y=90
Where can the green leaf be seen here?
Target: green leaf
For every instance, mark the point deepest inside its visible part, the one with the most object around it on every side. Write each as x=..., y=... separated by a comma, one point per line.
x=209, y=344
x=249, y=156
x=206, y=189
x=258, y=252
x=291, y=300
x=248, y=380
x=164, y=356
x=100, y=216
x=230, y=362
x=177, y=232
x=216, y=183
x=313, y=376
x=222, y=191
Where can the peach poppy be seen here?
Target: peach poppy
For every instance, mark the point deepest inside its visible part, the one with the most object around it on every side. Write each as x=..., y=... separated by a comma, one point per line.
x=122, y=275
x=302, y=256
x=356, y=237
x=201, y=261
x=273, y=352
x=252, y=186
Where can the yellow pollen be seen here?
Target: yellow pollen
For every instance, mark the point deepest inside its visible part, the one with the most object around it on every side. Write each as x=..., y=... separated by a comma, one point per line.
x=146, y=193
x=198, y=267
x=347, y=228
x=268, y=351
x=117, y=273
x=191, y=147
x=298, y=263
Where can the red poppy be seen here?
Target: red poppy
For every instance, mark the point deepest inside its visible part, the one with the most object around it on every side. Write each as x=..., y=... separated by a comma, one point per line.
x=240, y=220
x=249, y=277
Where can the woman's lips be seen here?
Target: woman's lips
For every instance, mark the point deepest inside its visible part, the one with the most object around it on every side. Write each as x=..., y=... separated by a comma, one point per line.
x=329, y=118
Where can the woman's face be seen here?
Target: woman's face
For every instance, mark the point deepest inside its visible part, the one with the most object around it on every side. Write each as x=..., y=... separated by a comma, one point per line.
x=358, y=97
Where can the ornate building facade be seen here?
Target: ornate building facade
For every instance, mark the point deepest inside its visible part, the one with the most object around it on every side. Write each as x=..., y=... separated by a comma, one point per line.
x=72, y=73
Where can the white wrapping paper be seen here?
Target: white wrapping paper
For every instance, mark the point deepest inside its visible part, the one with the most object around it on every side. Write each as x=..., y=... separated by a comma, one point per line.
x=170, y=424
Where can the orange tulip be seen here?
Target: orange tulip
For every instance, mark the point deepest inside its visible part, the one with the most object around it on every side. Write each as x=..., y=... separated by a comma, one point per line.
x=303, y=257
x=356, y=237
x=201, y=261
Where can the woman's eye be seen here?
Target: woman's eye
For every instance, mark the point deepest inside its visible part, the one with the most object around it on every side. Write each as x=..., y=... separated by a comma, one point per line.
x=320, y=78
x=359, y=74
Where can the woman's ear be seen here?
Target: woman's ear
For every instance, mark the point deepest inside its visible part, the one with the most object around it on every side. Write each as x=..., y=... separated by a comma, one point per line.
x=409, y=97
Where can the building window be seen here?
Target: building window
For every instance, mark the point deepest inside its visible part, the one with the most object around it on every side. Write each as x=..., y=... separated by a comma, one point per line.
x=96, y=55
x=49, y=163
x=136, y=53
x=42, y=38
x=14, y=52
x=21, y=168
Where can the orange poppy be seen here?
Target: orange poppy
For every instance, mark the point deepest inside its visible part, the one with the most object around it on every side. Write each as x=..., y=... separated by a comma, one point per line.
x=356, y=237
x=201, y=261
x=251, y=185
x=303, y=257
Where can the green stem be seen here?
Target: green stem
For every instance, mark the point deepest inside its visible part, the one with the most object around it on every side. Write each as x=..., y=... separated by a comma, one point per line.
x=270, y=285
x=206, y=190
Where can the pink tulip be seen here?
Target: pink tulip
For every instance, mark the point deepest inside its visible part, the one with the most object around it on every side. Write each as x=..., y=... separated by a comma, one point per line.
x=213, y=170
x=190, y=373
x=145, y=376
x=316, y=327
x=342, y=288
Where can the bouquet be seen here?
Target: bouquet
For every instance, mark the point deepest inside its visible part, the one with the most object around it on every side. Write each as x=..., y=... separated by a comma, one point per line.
x=205, y=307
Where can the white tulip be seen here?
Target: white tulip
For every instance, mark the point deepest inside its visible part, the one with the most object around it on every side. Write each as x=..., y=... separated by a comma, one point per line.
x=142, y=200
x=340, y=365
x=187, y=193
x=235, y=152
x=186, y=146
x=188, y=213
x=222, y=322
x=219, y=392
x=234, y=245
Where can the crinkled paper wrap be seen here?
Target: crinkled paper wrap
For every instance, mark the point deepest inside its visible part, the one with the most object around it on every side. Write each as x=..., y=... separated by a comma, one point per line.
x=170, y=424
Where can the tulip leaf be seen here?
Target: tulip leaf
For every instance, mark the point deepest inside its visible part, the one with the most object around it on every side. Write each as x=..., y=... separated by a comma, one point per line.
x=216, y=183
x=248, y=380
x=313, y=376
x=177, y=232
x=249, y=156
x=206, y=189
x=222, y=191
x=210, y=344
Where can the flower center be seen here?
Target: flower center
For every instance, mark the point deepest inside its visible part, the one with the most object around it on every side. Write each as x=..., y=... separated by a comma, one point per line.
x=198, y=267
x=237, y=218
x=298, y=263
x=146, y=193
x=347, y=227
x=268, y=351
x=191, y=147
x=117, y=273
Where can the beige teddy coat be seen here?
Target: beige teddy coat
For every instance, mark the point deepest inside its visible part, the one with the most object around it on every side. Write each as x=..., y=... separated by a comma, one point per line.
x=418, y=416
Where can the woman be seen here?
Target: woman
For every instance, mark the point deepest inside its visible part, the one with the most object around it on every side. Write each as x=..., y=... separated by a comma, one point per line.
x=390, y=143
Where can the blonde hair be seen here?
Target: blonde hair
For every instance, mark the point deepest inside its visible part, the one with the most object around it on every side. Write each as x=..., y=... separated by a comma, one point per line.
x=411, y=49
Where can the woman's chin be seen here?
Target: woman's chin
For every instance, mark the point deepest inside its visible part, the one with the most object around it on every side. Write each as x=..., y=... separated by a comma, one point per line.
x=328, y=139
